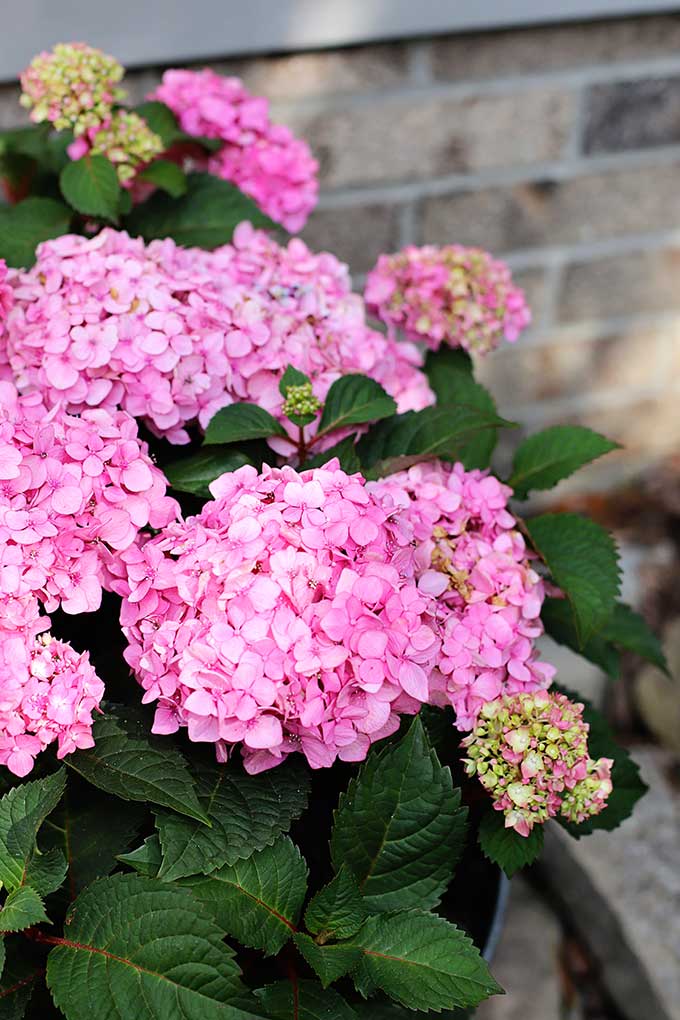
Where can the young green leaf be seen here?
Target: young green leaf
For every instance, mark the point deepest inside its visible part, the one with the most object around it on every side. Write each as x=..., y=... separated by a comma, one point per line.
x=258, y=900
x=167, y=176
x=506, y=847
x=24, y=225
x=238, y=422
x=329, y=962
x=22, y=812
x=345, y=451
x=450, y=374
x=628, y=630
x=559, y=623
x=421, y=961
x=338, y=910
x=353, y=400
x=292, y=377
x=583, y=560
x=304, y=1000
x=150, y=948
x=400, y=827
x=127, y=762
x=146, y=859
x=91, y=186
x=205, y=217
x=161, y=120
x=194, y=474
x=22, y=909
x=246, y=813
x=547, y=457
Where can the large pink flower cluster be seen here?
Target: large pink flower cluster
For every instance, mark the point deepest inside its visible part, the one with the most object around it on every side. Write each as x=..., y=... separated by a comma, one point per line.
x=6, y=292
x=530, y=751
x=486, y=596
x=277, y=619
x=171, y=335
x=265, y=160
x=455, y=295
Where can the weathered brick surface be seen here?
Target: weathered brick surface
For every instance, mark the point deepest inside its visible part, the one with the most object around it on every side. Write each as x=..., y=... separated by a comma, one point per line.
x=357, y=235
x=551, y=212
x=631, y=284
x=632, y=115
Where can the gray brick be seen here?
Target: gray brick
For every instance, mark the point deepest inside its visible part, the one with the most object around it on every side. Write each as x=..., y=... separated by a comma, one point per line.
x=356, y=235
x=550, y=212
x=631, y=284
x=428, y=137
x=632, y=115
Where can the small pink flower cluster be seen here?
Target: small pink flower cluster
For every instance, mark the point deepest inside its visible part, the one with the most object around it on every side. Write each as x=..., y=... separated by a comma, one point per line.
x=530, y=751
x=265, y=160
x=125, y=139
x=171, y=335
x=486, y=597
x=459, y=296
x=278, y=619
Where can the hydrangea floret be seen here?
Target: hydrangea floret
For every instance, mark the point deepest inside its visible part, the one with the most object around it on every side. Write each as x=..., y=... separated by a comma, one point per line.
x=125, y=139
x=454, y=295
x=530, y=751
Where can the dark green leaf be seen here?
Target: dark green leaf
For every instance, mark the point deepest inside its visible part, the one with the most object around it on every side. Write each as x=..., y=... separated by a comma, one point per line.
x=627, y=629
x=506, y=847
x=547, y=457
x=421, y=961
x=345, y=451
x=259, y=900
x=45, y=872
x=194, y=474
x=329, y=962
x=161, y=120
x=20, y=975
x=29, y=141
x=22, y=909
x=558, y=620
x=24, y=225
x=91, y=186
x=450, y=374
x=129, y=763
x=292, y=377
x=246, y=813
x=146, y=859
x=338, y=910
x=205, y=217
x=22, y=812
x=353, y=400
x=400, y=826
x=304, y=1001
x=167, y=176
x=583, y=561
x=238, y=422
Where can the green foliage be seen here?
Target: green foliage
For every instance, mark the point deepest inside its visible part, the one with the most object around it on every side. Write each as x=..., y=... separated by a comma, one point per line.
x=421, y=961
x=292, y=377
x=583, y=561
x=91, y=186
x=345, y=451
x=194, y=474
x=239, y=422
x=20, y=975
x=22, y=909
x=258, y=900
x=560, y=624
x=146, y=859
x=303, y=1001
x=167, y=176
x=353, y=400
x=246, y=813
x=22, y=812
x=450, y=374
x=506, y=847
x=400, y=827
x=547, y=457
x=161, y=120
x=127, y=762
x=337, y=910
x=24, y=225
x=329, y=962
x=628, y=630
x=205, y=216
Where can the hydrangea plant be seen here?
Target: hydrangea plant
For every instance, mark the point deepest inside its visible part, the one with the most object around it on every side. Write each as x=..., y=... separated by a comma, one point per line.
x=268, y=618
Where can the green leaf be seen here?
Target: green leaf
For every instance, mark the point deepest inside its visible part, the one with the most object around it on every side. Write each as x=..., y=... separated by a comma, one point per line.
x=506, y=847
x=127, y=762
x=353, y=400
x=237, y=422
x=29, y=141
x=546, y=458
x=194, y=474
x=45, y=872
x=305, y=1000
x=91, y=186
x=20, y=975
x=24, y=225
x=147, y=950
x=246, y=813
x=258, y=900
x=583, y=560
x=146, y=859
x=421, y=961
x=433, y=432
x=329, y=963
x=450, y=374
x=22, y=909
x=345, y=451
x=337, y=910
x=400, y=827
x=167, y=176
x=161, y=120
x=292, y=377
x=627, y=629
x=205, y=217
x=559, y=623
x=22, y=812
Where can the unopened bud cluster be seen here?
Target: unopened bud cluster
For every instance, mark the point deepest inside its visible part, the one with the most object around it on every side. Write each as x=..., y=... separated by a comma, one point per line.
x=127, y=141
x=300, y=401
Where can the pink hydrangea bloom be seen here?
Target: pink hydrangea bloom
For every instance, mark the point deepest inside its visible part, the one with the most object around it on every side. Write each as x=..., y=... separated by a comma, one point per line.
x=278, y=619
x=265, y=160
x=454, y=295
x=48, y=692
x=530, y=751
x=171, y=335
x=473, y=561
x=74, y=493
x=6, y=292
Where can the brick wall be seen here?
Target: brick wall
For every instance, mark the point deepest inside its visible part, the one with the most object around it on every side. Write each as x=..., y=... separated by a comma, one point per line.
x=558, y=148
